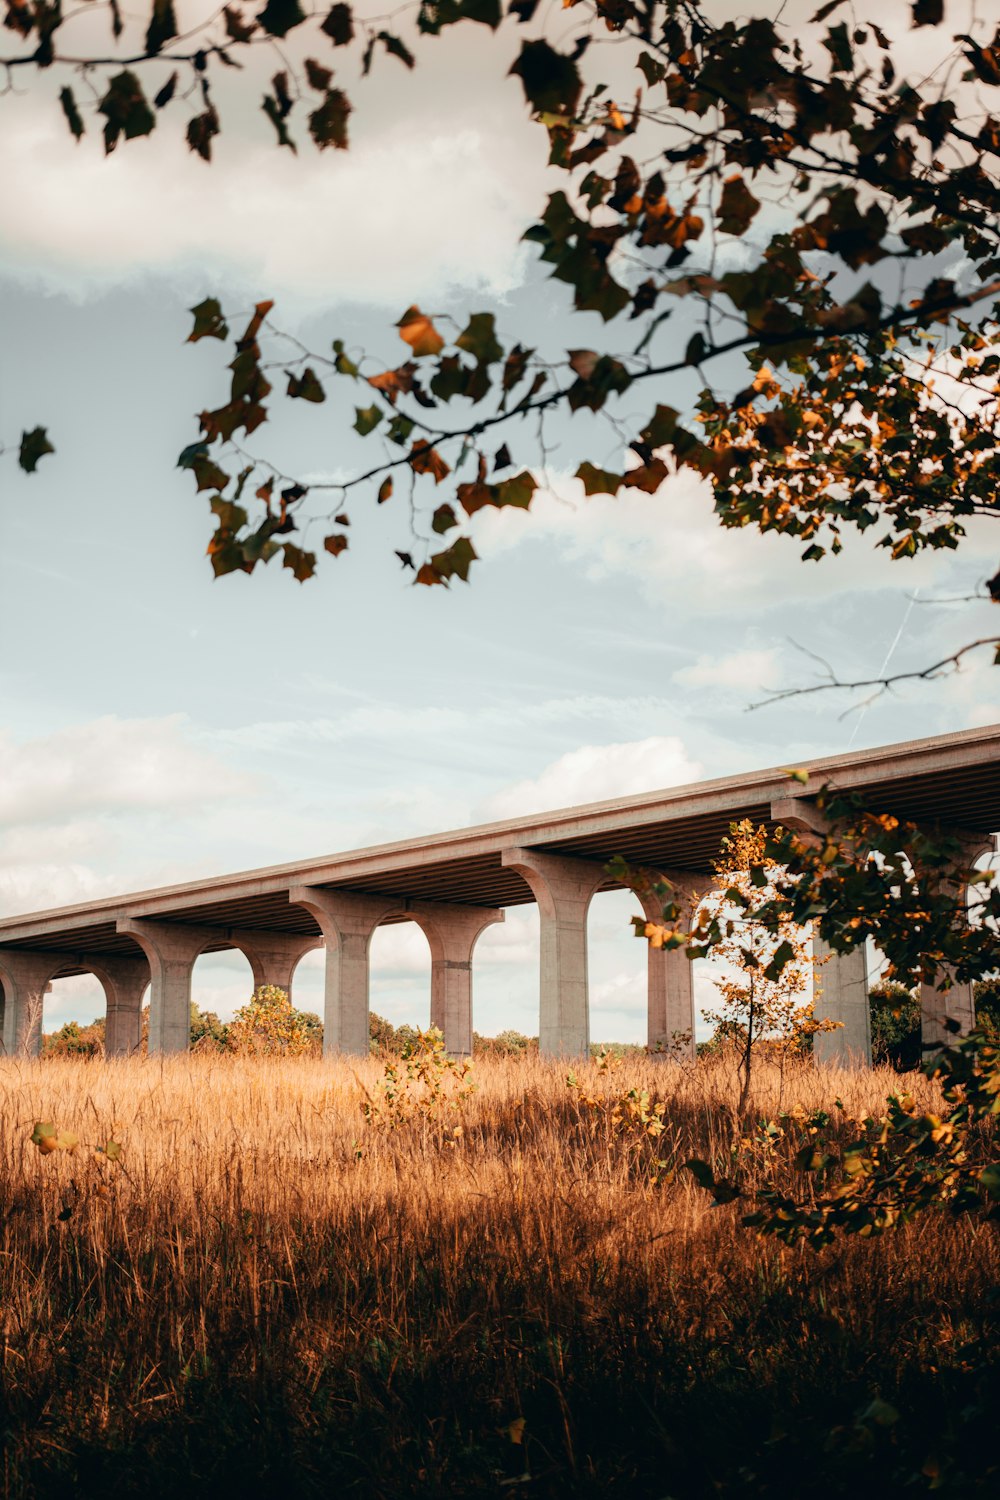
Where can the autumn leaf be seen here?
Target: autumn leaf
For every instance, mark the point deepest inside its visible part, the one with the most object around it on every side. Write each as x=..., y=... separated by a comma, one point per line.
x=336, y=544
x=550, y=79
x=301, y=564
x=162, y=25
x=738, y=206
x=417, y=330
x=599, y=481
x=72, y=113
x=339, y=25
x=427, y=460
x=384, y=491
x=126, y=111
x=305, y=386
x=328, y=123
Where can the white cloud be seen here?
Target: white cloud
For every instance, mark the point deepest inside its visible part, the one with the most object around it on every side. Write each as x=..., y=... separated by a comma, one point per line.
x=423, y=200
x=594, y=773
x=671, y=546
x=747, y=670
x=109, y=766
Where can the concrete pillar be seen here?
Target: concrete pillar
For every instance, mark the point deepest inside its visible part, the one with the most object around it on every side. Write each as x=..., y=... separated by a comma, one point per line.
x=840, y=993
x=124, y=981
x=347, y=923
x=26, y=977
x=670, y=980
x=563, y=889
x=273, y=955
x=452, y=932
x=957, y=1004
x=171, y=949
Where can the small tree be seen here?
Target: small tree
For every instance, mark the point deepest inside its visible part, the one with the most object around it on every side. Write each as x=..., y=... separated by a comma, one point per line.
x=896, y=1036
x=268, y=1026
x=74, y=1040
x=768, y=1000
x=208, y=1033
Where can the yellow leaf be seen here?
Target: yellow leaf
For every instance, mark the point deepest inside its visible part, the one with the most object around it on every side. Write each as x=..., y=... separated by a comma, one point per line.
x=797, y=773
x=417, y=330
x=44, y=1137
x=515, y=1431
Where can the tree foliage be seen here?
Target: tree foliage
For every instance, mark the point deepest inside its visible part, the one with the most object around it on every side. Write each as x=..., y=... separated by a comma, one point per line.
x=891, y=1168
x=269, y=1025
x=767, y=995
x=797, y=218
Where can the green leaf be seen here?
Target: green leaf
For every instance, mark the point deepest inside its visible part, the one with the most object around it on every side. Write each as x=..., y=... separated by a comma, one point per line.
x=366, y=419
x=797, y=773
x=279, y=16
x=126, y=111
x=783, y=954
x=599, y=481
x=989, y=1179
x=519, y=490
x=550, y=79
x=443, y=520
x=34, y=446
x=208, y=321
x=44, y=1136
x=208, y=475
x=454, y=562
x=344, y=365
x=73, y=117
x=305, y=386
x=479, y=339
x=113, y=1150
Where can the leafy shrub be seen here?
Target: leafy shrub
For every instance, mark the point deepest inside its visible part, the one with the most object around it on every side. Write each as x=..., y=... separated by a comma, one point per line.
x=269, y=1025
x=896, y=1037
x=74, y=1040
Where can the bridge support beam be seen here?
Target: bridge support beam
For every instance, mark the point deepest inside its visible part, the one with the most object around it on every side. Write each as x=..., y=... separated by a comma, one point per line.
x=26, y=977
x=669, y=980
x=171, y=949
x=124, y=981
x=563, y=889
x=347, y=923
x=452, y=932
x=956, y=1005
x=273, y=955
x=840, y=993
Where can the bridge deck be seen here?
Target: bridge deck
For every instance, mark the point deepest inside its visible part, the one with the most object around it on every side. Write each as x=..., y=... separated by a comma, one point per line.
x=950, y=779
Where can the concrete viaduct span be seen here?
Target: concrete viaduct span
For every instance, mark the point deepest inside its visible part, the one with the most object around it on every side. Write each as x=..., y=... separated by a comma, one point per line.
x=456, y=884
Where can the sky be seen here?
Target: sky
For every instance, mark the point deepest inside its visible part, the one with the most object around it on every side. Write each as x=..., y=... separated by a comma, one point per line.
x=158, y=725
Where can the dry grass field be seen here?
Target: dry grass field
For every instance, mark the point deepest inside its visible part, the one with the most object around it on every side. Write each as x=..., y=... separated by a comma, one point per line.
x=268, y=1294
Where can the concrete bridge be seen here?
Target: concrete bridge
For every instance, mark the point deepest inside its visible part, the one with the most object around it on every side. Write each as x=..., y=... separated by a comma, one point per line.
x=456, y=884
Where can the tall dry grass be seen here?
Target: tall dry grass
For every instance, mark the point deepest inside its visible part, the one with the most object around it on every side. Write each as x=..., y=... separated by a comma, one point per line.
x=268, y=1295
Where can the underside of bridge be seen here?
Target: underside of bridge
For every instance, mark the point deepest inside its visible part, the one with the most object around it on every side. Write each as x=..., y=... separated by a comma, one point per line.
x=455, y=884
